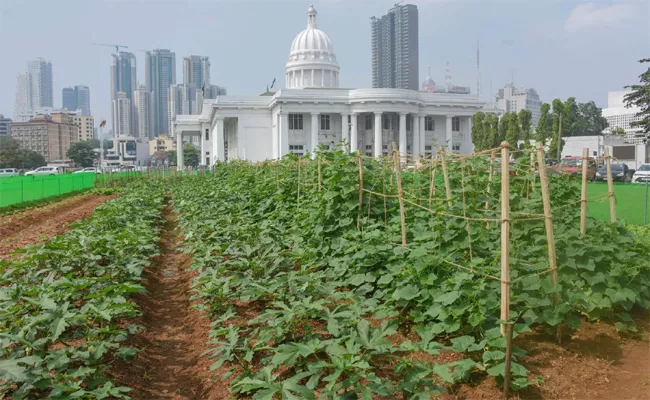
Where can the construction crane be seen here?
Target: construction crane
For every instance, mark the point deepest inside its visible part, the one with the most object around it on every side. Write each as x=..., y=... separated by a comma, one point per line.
x=117, y=46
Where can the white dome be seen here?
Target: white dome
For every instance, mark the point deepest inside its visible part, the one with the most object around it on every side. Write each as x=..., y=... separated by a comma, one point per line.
x=312, y=62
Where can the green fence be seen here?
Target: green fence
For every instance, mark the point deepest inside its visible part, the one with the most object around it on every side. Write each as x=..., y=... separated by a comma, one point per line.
x=631, y=204
x=20, y=189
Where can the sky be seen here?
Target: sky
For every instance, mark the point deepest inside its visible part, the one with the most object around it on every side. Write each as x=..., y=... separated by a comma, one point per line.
x=561, y=48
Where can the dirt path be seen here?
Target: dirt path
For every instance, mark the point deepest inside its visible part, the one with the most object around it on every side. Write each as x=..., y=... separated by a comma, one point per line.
x=170, y=365
x=41, y=224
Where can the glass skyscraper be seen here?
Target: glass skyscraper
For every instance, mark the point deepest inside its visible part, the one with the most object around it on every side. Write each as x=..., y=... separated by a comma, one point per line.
x=160, y=73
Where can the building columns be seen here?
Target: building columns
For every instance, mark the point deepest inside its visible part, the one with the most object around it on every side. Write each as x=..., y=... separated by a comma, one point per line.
x=345, y=132
x=423, y=131
x=314, y=133
x=354, y=138
x=180, y=161
x=448, y=135
x=284, y=134
x=378, y=139
x=218, y=151
x=415, y=128
x=203, y=144
x=402, y=136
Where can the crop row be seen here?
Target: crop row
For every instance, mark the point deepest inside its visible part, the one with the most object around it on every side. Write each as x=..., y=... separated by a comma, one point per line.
x=64, y=305
x=311, y=295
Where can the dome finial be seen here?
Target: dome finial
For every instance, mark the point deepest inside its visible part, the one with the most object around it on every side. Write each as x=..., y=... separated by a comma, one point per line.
x=311, y=17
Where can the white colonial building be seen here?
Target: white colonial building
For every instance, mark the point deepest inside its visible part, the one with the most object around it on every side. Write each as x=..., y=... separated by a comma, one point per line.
x=313, y=111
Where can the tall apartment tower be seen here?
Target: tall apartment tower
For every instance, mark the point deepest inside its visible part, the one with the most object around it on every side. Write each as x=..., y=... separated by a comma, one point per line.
x=143, y=113
x=196, y=71
x=122, y=115
x=21, y=102
x=513, y=99
x=160, y=73
x=40, y=84
x=395, y=54
x=77, y=98
x=123, y=79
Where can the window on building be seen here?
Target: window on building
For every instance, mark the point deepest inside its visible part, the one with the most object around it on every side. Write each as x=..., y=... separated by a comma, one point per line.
x=207, y=161
x=368, y=147
x=324, y=122
x=455, y=124
x=385, y=121
x=595, y=153
x=368, y=122
x=455, y=147
x=429, y=123
x=295, y=122
x=427, y=148
x=368, y=154
x=207, y=134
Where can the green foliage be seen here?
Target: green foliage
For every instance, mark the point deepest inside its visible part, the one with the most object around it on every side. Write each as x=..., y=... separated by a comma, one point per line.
x=525, y=118
x=618, y=131
x=190, y=156
x=64, y=304
x=543, y=129
x=479, y=138
x=13, y=156
x=513, y=131
x=590, y=120
x=83, y=154
x=640, y=97
x=303, y=302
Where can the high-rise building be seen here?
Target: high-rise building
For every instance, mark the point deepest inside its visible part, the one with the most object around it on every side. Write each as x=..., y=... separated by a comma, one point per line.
x=122, y=115
x=212, y=91
x=512, y=99
x=184, y=100
x=196, y=71
x=143, y=112
x=34, y=89
x=160, y=73
x=39, y=83
x=48, y=135
x=4, y=126
x=86, y=126
x=395, y=52
x=77, y=98
x=123, y=79
x=620, y=116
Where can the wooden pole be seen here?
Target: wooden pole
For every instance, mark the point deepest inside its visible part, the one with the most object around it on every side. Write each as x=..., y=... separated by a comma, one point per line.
x=532, y=171
x=298, y=198
x=505, y=234
x=432, y=188
x=548, y=223
x=400, y=192
x=610, y=187
x=443, y=159
x=506, y=374
x=559, y=139
x=583, y=197
x=493, y=155
x=360, y=188
x=320, y=176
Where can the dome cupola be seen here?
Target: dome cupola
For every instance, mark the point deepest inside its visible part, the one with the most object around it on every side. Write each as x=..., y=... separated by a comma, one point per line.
x=312, y=62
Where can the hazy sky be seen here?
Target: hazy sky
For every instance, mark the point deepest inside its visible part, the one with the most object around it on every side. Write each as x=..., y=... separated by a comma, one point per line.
x=559, y=47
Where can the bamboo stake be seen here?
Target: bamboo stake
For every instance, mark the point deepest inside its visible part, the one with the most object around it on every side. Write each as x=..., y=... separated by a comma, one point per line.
x=532, y=170
x=506, y=374
x=320, y=176
x=548, y=223
x=400, y=193
x=443, y=159
x=505, y=234
x=583, y=197
x=462, y=184
x=610, y=187
x=298, y=199
x=360, y=189
x=432, y=188
x=493, y=155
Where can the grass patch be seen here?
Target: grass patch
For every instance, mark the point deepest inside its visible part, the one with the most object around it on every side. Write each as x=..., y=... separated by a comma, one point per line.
x=630, y=202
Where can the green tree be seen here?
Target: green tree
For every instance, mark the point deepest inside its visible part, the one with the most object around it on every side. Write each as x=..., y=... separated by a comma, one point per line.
x=492, y=131
x=478, y=131
x=543, y=128
x=190, y=156
x=618, y=131
x=570, y=117
x=13, y=156
x=513, y=131
x=82, y=154
x=31, y=159
x=525, y=122
x=590, y=121
x=558, y=114
x=170, y=157
x=640, y=97
x=504, y=123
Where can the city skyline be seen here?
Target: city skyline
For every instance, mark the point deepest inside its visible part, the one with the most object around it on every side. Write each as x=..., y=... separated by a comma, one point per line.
x=569, y=32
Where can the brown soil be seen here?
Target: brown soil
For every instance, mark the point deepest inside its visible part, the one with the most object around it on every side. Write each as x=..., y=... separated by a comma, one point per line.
x=41, y=224
x=170, y=364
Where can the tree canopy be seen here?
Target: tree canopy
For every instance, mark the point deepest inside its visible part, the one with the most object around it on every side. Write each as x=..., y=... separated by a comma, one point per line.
x=640, y=97
x=190, y=156
x=82, y=154
x=13, y=156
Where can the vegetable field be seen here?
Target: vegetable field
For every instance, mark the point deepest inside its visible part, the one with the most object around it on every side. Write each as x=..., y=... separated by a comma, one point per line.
x=339, y=277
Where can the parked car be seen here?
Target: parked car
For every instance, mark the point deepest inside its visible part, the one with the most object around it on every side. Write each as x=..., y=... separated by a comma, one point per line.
x=620, y=173
x=44, y=171
x=9, y=172
x=573, y=167
x=642, y=174
x=88, y=169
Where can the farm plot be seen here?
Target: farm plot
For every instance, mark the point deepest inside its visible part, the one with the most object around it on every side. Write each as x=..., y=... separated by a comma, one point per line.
x=318, y=286
x=64, y=308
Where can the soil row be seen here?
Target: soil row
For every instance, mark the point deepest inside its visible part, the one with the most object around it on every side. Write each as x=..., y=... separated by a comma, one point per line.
x=41, y=224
